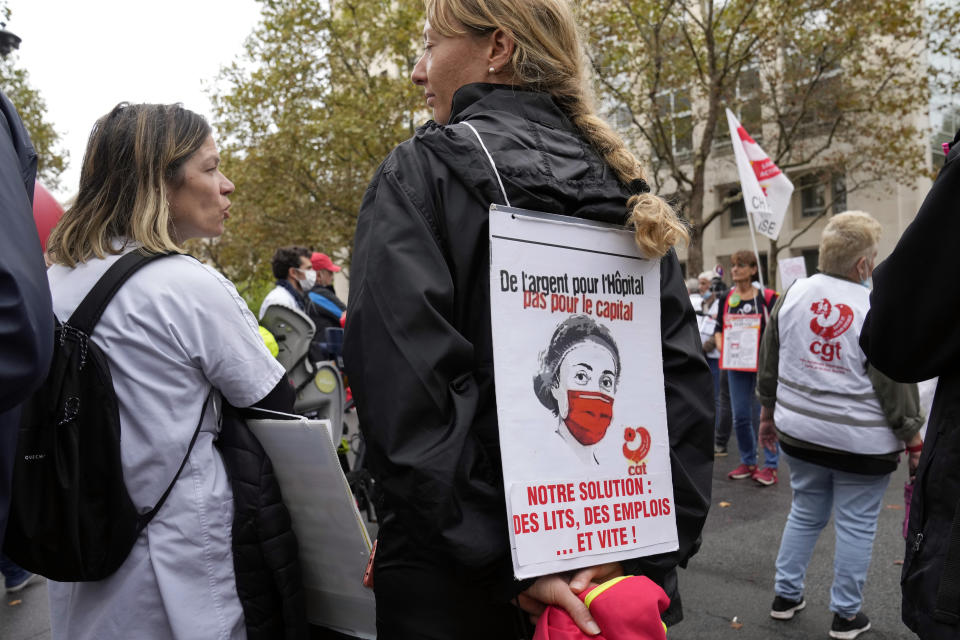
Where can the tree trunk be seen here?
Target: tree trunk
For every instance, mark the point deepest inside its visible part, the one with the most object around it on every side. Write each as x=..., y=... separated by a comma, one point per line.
x=695, y=216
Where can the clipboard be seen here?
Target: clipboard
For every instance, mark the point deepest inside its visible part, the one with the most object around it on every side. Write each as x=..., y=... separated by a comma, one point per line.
x=333, y=539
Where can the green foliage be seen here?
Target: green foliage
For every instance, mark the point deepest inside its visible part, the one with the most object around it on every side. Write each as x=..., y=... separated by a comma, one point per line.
x=15, y=81
x=304, y=118
x=831, y=85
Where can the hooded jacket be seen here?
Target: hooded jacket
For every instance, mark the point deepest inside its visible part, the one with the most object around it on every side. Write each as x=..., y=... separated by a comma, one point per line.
x=418, y=346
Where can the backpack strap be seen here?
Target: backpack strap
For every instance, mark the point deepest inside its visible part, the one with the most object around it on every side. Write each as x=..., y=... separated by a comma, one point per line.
x=145, y=518
x=88, y=313
x=768, y=294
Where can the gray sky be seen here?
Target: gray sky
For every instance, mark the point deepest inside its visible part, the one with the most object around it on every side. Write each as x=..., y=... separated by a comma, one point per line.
x=86, y=56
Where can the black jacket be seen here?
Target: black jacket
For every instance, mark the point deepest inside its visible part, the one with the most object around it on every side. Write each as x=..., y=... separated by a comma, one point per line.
x=418, y=346
x=265, y=554
x=26, y=313
x=912, y=343
x=327, y=307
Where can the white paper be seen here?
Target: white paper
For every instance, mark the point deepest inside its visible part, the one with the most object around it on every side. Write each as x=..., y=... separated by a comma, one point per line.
x=766, y=190
x=791, y=270
x=333, y=541
x=590, y=483
x=741, y=342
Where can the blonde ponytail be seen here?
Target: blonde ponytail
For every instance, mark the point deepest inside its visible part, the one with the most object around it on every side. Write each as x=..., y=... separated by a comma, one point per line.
x=548, y=57
x=656, y=226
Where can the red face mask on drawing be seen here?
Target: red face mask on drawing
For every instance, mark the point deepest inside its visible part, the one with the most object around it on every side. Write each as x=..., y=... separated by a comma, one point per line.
x=589, y=415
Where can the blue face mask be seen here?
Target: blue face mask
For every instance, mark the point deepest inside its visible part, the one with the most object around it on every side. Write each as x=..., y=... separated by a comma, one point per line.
x=868, y=283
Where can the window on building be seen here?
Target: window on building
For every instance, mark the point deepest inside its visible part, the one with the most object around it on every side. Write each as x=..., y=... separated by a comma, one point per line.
x=738, y=210
x=819, y=192
x=744, y=99
x=811, y=258
x=816, y=99
x=677, y=117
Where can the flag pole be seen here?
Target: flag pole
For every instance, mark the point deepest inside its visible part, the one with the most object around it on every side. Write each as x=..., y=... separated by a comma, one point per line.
x=756, y=252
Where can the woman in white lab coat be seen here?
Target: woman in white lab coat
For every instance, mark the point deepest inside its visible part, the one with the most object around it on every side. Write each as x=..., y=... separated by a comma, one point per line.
x=151, y=180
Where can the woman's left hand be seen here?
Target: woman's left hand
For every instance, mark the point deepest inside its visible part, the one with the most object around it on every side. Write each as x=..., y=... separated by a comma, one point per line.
x=562, y=589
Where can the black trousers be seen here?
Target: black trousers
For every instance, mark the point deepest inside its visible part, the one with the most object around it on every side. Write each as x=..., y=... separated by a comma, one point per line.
x=420, y=597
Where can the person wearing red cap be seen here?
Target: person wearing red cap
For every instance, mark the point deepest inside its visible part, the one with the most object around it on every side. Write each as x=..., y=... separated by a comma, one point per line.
x=327, y=309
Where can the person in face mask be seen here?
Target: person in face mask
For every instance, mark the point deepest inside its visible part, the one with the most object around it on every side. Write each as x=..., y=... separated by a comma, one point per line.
x=295, y=277
x=577, y=381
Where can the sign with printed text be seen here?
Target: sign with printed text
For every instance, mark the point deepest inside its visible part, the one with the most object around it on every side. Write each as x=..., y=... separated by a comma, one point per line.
x=741, y=342
x=791, y=270
x=575, y=313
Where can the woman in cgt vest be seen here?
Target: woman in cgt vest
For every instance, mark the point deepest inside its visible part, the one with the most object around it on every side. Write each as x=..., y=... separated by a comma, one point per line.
x=841, y=424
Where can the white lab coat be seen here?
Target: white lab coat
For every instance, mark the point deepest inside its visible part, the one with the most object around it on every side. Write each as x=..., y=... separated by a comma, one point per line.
x=171, y=331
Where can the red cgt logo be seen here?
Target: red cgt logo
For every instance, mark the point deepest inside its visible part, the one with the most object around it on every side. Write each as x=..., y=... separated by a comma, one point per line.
x=836, y=319
x=637, y=444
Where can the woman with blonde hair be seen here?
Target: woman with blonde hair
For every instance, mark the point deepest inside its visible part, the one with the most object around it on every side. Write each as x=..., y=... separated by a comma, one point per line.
x=418, y=346
x=174, y=333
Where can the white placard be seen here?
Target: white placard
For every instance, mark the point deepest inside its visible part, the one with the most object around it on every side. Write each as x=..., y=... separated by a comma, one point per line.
x=333, y=541
x=741, y=342
x=575, y=312
x=791, y=270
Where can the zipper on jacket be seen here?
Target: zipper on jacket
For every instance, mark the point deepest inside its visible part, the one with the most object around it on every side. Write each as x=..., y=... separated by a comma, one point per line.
x=917, y=541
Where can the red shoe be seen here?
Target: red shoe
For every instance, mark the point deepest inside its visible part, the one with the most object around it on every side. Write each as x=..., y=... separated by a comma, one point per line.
x=765, y=476
x=743, y=471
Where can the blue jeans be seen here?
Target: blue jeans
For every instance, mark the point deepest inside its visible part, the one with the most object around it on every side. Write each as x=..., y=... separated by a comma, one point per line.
x=12, y=573
x=721, y=404
x=746, y=418
x=855, y=500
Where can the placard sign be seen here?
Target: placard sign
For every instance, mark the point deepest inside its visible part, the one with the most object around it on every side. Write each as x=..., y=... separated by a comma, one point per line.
x=741, y=342
x=791, y=270
x=575, y=312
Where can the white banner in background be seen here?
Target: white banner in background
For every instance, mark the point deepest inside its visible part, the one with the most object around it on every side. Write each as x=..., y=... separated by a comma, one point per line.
x=791, y=270
x=766, y=190
x=575, y=312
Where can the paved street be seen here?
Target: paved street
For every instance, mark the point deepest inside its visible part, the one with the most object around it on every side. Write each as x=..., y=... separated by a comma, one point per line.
x=731, y=576
x=733, y=573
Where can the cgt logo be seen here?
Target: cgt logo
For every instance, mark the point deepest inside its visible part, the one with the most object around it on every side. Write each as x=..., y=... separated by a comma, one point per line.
x=636, y=444
x=829, y=322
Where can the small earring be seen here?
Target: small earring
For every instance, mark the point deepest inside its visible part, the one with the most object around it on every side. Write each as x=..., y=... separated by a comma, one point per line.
x=491, y=70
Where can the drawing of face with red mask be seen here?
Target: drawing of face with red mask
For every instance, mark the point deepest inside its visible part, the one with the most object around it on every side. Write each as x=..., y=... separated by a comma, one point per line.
x=577, y=381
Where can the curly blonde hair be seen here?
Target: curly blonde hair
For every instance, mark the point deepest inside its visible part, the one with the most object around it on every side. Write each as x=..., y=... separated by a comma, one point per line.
x=548, y=56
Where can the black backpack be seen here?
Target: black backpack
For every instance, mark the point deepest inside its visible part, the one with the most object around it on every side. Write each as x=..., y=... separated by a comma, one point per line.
x=71, y=518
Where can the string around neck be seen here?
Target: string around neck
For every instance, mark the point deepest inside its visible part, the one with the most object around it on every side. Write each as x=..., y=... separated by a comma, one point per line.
x=493, y=164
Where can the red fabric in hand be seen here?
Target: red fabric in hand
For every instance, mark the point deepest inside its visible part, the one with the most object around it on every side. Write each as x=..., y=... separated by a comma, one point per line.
x=628, y=610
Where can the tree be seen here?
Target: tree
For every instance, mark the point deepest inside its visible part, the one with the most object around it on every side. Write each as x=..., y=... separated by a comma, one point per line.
x=316, y=103
x=828, y=85
x=51, y=158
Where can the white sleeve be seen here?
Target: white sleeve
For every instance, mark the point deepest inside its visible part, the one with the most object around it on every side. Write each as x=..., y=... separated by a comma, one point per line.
x=219, y=335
